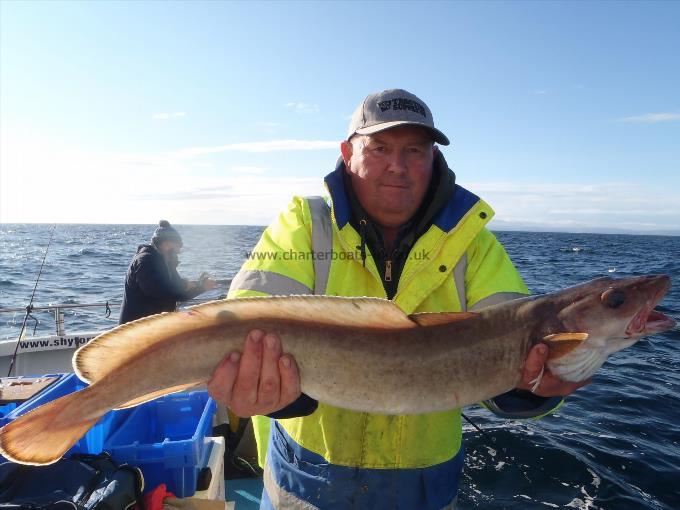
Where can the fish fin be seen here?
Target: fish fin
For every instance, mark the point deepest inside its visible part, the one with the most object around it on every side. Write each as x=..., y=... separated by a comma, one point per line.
x=155, y=394
x=561, y=337
x=436, y=318
x=561, y=344
x=44, y=434
x=116, y=347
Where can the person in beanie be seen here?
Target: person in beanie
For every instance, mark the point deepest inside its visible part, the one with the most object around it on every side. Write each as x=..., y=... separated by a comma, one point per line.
x=395, y=225
x=152, y=283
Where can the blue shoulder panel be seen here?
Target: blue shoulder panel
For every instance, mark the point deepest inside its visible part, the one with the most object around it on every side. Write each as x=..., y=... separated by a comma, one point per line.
x=458, y=205
x=336, y=186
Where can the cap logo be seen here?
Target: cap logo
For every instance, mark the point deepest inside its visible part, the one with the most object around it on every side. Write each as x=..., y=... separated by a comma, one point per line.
x=401, y=103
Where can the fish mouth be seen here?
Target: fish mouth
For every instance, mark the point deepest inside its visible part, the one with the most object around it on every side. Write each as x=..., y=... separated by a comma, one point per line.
x=648, y=321
x=657, y=322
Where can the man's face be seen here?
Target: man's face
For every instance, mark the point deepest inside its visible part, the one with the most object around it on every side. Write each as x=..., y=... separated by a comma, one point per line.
x=390, y=172
x=170, y=247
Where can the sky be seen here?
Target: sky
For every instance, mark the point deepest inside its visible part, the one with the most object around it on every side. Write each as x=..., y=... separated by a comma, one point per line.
x=562, y=115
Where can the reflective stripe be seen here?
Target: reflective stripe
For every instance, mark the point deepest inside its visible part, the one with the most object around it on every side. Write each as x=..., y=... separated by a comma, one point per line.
x=279, y=498
x=459, y=280
x=322, y=242
x=268, y=282
x=494, y=299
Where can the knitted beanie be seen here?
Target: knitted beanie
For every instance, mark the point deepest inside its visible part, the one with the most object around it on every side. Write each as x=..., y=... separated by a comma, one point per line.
x=165, y=232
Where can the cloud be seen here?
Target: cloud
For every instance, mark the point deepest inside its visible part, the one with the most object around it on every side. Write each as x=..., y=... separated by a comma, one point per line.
x=234, y=193
x=303, y=107
x=581, y=207
x=239, y=200
x=251, y=170
x=651, y=118
x=172, y=115
x=267, y=146
x=541, y=92
x=249, y=188
x=172, y=159
x=161, y=183
x=195, y=193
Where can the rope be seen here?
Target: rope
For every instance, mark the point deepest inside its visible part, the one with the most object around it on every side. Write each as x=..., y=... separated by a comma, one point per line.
x=29, y=308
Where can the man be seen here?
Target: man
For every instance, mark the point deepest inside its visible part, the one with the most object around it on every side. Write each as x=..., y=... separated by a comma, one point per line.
x=396, y=226
x=152, y=284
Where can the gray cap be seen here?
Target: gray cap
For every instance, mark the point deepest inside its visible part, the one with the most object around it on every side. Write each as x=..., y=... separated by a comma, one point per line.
x=391, y=108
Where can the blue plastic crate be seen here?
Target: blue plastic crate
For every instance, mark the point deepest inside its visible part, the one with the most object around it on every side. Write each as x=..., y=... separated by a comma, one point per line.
x=5, y=410
x=166, y=439
x=8, y=407
x=93, y=441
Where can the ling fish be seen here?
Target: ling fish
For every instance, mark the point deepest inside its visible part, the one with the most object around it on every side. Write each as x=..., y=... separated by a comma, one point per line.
x=362, y=354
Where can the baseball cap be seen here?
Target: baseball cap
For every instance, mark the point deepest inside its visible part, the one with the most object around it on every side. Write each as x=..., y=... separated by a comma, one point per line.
x=391, y=108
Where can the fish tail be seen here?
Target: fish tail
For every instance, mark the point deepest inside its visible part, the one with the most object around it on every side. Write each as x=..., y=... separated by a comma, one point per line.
x=44, y=434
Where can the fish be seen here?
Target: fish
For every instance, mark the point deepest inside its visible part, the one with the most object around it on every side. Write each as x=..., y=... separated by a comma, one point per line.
x=363, y=354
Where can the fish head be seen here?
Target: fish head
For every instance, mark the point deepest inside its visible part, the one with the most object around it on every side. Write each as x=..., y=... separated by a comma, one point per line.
x=616, y=309
x=614, y=313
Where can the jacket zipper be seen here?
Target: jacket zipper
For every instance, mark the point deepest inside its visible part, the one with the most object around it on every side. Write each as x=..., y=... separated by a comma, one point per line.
x=388, y=270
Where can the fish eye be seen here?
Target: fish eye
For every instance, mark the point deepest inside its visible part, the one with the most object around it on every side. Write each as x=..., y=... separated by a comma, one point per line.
x=613, y=298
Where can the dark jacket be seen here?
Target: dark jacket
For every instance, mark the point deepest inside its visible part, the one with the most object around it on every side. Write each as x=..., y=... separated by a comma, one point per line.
x=151, y=286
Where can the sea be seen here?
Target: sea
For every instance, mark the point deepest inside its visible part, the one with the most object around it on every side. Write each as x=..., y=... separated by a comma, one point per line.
x=614, y=444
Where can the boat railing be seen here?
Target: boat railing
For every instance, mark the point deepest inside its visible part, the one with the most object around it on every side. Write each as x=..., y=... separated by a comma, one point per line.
x=57, y=311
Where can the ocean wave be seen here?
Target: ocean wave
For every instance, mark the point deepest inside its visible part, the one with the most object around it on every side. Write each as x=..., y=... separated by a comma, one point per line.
x=613, y=445
x=576, y=249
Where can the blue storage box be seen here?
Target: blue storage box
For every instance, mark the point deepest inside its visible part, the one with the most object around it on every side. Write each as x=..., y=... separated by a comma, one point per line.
x=167, y=439
x=19, y=389
x=5, y=410
x=93, y=441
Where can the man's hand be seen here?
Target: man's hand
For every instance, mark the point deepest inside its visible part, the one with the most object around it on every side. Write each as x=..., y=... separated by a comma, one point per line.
x=550, y=385
x=208, y=284
x=205, y=282
x=260, y=381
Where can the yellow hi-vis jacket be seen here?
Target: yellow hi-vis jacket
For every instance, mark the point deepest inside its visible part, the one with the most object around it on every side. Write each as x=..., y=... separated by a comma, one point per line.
x=457, y=265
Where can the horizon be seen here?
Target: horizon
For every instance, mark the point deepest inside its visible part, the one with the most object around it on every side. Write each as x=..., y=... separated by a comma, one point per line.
x=563, y=116
x=491, y=227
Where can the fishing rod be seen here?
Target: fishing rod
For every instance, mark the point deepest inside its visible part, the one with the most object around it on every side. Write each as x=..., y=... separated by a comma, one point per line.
x=29, y=308
x=479, y=429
